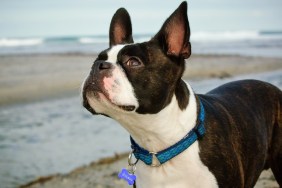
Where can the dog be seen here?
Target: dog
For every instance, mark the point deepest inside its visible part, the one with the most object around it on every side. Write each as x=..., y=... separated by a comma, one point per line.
x=224, y=138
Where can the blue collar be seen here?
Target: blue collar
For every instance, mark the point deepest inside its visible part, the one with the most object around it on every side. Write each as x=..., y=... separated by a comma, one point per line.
x=165, y=155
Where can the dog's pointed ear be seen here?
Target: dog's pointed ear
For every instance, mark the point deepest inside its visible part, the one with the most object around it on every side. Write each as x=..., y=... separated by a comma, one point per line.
x=120, y=28
x=174, y=35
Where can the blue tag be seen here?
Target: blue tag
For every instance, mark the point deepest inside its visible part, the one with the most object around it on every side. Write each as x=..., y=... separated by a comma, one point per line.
x=130, y=178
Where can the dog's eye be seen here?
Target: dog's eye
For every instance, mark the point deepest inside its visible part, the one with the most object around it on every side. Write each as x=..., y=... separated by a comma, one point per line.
x=133, y=62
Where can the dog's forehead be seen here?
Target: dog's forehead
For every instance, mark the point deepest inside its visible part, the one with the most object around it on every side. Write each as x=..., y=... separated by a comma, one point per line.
x=113, y=52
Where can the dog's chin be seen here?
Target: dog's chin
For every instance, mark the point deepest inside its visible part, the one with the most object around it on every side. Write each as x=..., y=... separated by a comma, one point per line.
x=99, y=103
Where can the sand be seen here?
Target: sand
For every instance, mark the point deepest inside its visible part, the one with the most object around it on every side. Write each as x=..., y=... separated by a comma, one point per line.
x=30, y=78
x=103, y=174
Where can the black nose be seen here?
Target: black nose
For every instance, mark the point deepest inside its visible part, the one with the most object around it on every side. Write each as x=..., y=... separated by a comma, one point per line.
x=104, y=65
x=99, y=66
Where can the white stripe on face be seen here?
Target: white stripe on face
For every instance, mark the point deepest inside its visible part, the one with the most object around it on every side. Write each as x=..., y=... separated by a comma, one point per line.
x=118, y=88
x=113, y=53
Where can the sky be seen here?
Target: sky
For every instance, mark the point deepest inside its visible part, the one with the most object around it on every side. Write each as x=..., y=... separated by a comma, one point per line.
x=33, y=18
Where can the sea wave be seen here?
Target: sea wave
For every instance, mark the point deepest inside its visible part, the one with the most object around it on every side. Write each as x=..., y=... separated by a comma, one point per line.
x=264, y=43
x=14, y=42
x=223, y=36
x=92, y=40
x=200, y=36
x=203, y=36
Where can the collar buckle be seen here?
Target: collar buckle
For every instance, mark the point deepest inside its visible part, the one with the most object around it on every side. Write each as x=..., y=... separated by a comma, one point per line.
x=155, y=160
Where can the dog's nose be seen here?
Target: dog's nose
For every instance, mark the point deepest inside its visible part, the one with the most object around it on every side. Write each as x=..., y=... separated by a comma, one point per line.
x=104, y=65
x=101, y=65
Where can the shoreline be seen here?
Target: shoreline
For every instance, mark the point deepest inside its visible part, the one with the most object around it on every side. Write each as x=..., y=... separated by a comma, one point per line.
x=103, y=174
x=28, y=78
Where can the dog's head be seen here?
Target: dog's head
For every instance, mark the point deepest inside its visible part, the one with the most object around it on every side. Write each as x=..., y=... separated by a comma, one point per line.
x=139, y=78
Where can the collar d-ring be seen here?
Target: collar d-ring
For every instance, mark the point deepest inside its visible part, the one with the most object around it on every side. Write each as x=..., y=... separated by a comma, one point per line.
x=130, y=156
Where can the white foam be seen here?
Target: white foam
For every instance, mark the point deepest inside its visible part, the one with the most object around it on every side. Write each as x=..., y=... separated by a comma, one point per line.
x=92, y=40
x=13, y=42
x=224, y=35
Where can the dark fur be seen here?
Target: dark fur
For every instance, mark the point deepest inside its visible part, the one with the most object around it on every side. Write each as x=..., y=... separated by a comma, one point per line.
x=244, y=132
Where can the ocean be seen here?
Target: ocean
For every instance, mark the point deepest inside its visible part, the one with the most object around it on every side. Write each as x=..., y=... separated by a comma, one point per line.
x=246, y=43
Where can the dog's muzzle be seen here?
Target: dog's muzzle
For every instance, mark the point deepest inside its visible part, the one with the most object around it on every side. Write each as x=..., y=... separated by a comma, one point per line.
x=93, y=83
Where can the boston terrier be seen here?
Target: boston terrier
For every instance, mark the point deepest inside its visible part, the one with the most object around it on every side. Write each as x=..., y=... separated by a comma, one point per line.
x=180, y=139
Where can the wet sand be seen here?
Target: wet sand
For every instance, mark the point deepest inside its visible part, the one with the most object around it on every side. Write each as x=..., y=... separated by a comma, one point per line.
x=29, y=78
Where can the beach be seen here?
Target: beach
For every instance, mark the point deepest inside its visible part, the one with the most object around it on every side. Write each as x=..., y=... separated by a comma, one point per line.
x=29, y=78
x=103, y=174
x=44, y=134
x=47, y=48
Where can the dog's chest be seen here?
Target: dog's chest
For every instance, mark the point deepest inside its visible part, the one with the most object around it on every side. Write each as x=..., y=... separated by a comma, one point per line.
x=184, y=171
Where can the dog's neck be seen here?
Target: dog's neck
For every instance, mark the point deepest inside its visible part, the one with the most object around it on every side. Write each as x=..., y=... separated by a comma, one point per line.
x=156, y=132
x=162, y=130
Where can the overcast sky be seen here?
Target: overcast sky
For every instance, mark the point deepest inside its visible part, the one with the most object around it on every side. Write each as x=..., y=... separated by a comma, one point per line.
x=27, y=18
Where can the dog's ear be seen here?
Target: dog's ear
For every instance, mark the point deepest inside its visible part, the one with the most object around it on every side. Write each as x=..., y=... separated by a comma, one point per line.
x=174, y=35
x=120, y=28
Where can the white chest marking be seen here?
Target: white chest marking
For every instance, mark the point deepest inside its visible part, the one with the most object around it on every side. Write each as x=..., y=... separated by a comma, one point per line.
x=185, y=170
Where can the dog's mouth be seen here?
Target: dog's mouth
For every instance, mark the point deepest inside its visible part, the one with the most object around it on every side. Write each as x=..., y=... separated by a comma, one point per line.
x=94, y=90
x=128, y=108
x=102, y=96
